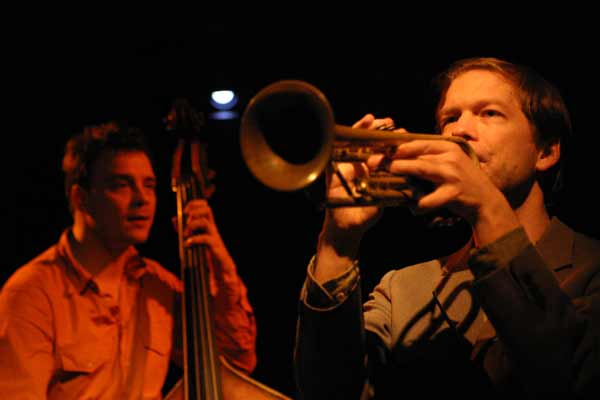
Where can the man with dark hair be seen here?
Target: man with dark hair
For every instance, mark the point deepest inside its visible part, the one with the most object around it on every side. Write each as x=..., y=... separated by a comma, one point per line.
x=514, y=313
x=91, y=317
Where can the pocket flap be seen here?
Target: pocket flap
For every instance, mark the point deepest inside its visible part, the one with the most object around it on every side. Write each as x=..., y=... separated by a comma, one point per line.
x=88, y=357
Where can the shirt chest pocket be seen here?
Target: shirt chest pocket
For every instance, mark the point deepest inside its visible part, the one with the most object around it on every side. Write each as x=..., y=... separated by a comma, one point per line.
x=85, y=357
x=84, y=369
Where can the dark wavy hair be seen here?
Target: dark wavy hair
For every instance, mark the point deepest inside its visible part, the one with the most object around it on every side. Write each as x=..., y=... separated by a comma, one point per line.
x=84, y=148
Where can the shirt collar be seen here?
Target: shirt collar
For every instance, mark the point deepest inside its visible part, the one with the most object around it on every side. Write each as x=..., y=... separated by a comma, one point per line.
x=81, y=279
x=458, y=260
x=555, y=246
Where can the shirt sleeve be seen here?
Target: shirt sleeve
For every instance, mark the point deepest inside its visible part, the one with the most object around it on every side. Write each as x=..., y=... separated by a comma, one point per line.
x=498, y=254
x=332, y=293
x=548, y=337
x=329, y=352
x=235, y=324
x=26, y=343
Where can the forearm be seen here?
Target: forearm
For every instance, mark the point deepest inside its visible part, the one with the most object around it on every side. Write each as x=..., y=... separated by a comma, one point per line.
x=235, y=327
x=546, y=338
x=329, y=355
x=336, y=250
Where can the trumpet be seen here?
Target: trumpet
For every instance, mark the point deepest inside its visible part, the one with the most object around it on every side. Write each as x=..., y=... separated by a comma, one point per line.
x=288, y=137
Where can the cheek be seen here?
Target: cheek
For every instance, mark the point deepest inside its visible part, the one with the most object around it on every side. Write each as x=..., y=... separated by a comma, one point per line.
x=152, y=202
x=108, y=207
x=153, y=208
x=497, y=163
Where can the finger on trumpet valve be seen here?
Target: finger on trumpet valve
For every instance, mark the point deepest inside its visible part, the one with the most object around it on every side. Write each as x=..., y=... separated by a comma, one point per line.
x=386, y=127
x=352, y=153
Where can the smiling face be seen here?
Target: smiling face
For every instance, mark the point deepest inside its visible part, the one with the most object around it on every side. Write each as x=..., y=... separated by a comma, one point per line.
x=484, y=108
x=121, y=201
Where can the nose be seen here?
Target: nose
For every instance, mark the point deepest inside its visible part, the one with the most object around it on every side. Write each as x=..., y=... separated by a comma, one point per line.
x=142, y=195
x=464, y=127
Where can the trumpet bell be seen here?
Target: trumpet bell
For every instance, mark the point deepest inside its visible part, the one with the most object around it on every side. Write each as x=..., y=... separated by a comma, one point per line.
x=287, y=134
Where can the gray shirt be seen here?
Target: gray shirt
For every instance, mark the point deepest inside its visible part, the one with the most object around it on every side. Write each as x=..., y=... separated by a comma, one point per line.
x=526, y=318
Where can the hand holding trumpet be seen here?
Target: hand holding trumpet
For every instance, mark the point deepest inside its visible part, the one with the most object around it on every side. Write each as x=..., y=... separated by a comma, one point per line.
x=457, y=184
x=367, y=169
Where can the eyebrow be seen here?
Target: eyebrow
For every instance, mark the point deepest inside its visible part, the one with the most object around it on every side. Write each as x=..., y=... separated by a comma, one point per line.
x=478, y=104
x=129, y=178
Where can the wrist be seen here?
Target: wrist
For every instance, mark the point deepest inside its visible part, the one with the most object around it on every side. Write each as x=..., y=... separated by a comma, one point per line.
x=344, y=243
x=335, y=252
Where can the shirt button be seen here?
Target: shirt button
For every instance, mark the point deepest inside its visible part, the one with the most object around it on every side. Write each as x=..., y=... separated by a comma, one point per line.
x=341, y=296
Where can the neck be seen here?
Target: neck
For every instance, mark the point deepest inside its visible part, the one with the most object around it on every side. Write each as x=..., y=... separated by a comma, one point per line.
x=533, y=215
x=94, y=255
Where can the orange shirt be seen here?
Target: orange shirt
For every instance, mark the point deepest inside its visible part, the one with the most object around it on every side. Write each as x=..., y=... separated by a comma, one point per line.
x=62, y=338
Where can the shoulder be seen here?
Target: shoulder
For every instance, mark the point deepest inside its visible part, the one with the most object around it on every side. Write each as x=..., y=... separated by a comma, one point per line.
x=409, y=281
x=422, y=270
x=158, y=276
x=585, y=248
x=584, y=277
x=587, y=244
x=586, y=257
x=31, y=288
x=41, y=271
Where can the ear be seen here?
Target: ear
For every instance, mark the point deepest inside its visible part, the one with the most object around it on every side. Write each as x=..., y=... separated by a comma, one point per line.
x=548, y=156
x=79, y=198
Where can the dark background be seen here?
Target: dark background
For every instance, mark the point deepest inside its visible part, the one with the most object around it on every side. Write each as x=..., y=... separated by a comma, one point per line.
x=86, y=73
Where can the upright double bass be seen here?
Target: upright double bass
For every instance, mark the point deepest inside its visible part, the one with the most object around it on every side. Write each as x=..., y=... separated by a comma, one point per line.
x=206, y=374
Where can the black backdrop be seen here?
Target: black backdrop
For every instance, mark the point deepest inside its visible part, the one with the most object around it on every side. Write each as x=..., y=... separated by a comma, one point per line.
x=88, y=75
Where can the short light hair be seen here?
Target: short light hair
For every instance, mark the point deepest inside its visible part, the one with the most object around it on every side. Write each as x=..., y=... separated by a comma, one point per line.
x=541, y=103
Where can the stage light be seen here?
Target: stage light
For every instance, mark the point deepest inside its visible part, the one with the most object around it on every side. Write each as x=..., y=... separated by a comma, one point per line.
x=223, y=101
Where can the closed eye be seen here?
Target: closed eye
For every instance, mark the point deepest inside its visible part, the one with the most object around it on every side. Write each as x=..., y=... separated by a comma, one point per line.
x=447, y=120
x=118, y=184
x=150, y=184
x=491, y=113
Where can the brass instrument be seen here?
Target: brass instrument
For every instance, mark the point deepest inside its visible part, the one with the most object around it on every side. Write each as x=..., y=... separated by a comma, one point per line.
x=288, y=109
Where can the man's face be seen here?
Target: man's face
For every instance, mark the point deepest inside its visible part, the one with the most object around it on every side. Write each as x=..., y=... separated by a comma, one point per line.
x=484, y=108
x=121, y=202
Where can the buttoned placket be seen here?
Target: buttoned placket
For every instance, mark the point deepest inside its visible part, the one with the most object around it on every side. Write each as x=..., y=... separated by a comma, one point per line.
x=127, y=295
x=112, y=316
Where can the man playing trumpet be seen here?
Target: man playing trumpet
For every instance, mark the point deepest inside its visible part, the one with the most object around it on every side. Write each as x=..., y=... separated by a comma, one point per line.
x=516, y=311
